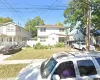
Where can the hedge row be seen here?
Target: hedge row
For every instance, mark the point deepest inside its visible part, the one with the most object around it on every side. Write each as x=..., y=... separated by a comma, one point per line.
x=39, y=46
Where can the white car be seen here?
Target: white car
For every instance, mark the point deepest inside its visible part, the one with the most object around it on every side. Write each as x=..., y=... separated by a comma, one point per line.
x=82, y=46
x=64, y=66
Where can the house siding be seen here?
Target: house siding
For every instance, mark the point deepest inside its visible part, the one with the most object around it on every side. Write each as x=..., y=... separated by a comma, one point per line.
x=50, y=33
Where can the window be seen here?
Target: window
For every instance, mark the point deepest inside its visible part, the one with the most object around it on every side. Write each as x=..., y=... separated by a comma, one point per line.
x=98, y=60
x=10, y=39
x=10, y=28
x=86, y=68
x=61, y=30
x=43, y=39
x=47, y=67
x=65, y=70
x=2, y=39
x=42, y=29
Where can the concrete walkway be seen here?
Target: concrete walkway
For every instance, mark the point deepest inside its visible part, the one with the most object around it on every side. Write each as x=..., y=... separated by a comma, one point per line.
x=2, y=57
x=20, y=61
x=7, y=78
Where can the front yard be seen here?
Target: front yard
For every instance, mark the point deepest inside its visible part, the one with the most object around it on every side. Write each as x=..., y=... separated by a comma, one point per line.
x=8, y=71
x=30, y=53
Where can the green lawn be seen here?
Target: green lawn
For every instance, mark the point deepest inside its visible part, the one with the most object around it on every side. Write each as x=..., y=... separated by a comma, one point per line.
x=8, y=71
x=98, y=49
x=30, y=53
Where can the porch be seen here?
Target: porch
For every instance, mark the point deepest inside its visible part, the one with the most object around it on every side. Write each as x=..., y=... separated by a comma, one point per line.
x=11, y=40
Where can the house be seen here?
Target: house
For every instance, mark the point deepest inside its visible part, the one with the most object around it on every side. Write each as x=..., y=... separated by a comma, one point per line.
x=75, y=35
x=11, y=33
x=51, y=34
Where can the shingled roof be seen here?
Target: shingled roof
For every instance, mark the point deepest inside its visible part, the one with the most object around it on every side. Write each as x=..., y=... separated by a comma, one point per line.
x=50, y=26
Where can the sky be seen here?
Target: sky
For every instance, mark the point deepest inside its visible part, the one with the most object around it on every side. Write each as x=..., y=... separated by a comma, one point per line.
x=22, y=10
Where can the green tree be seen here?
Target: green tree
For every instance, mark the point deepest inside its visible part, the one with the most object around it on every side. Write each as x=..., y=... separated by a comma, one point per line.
x=59, y=24
x=5, y=20
x=77, y=12
x=31, y=23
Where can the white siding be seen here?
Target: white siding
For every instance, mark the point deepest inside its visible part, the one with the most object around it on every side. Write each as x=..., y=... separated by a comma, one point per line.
x=14, y=32
x=50, y=31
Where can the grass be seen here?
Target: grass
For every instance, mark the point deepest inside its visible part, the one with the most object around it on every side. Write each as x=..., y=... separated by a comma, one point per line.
x=30, y=53
x=98, y=49
x=8, y=71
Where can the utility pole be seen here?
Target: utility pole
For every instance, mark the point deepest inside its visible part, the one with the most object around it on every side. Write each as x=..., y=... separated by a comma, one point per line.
x=88, y=26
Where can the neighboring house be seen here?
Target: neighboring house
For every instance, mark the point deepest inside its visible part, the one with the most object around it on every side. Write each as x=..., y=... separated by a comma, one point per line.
x=11, y=33
x=75, y=35
x=51, y=34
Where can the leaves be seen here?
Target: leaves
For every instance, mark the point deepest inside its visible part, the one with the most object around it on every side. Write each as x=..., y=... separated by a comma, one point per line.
x=59, y=24
x=5, y=20
x=31, y=23
x=77, y=12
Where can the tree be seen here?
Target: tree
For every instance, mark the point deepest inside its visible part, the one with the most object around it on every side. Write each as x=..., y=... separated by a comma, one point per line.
x=77, y=12
x=31, y=23
x=59, y=24
x=80, y=11
x=5, y=20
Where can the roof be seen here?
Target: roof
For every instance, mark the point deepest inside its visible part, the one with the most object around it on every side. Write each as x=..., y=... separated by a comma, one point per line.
x=60, y=35
x=50, y=26
x=1, y=34
x=72, y=32
x=6, y=23
x=72, y=55
x=3, y=24
x=57, y=34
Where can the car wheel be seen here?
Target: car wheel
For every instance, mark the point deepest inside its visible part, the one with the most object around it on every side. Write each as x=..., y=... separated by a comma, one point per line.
x=83, y=49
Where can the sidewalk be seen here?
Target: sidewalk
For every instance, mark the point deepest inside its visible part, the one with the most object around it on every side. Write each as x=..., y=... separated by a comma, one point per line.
x=7, y=78
x=2, y=57
x=20, y=61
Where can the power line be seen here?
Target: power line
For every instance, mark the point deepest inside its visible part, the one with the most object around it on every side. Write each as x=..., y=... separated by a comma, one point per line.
x=49, y=7
x=4, y=4
x=13, y=9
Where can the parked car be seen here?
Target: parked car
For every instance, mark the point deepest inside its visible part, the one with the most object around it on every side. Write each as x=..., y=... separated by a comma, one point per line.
x=10, y=49
x=64, y=66
x=82, y=46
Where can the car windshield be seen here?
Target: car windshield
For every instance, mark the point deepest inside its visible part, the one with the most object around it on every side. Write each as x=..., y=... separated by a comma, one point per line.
x=83, y=43
x=47, y=67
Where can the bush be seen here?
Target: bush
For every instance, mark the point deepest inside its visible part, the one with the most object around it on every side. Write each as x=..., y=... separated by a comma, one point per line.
x=28, y=46
x=39, y=46
x=60, y=45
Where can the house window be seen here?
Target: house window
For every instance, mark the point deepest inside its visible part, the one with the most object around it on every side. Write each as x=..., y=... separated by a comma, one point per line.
x=10, y=39
x=61, y=30
x=43, y=39
x=42, y=29
x=10, y=28
x=2, y=39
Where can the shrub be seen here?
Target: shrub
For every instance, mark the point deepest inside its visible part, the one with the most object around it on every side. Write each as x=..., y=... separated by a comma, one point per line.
x=37, y=46
x=60, y=45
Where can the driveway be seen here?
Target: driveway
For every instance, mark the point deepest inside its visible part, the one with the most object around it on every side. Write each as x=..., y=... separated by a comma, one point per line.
x=2, y=57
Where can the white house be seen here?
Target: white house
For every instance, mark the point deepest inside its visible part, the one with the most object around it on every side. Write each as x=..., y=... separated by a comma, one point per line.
x=51, y=34
x=11, y=33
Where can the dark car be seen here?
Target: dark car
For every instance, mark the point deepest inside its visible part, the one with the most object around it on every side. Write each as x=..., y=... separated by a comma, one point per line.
x=10, y=49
